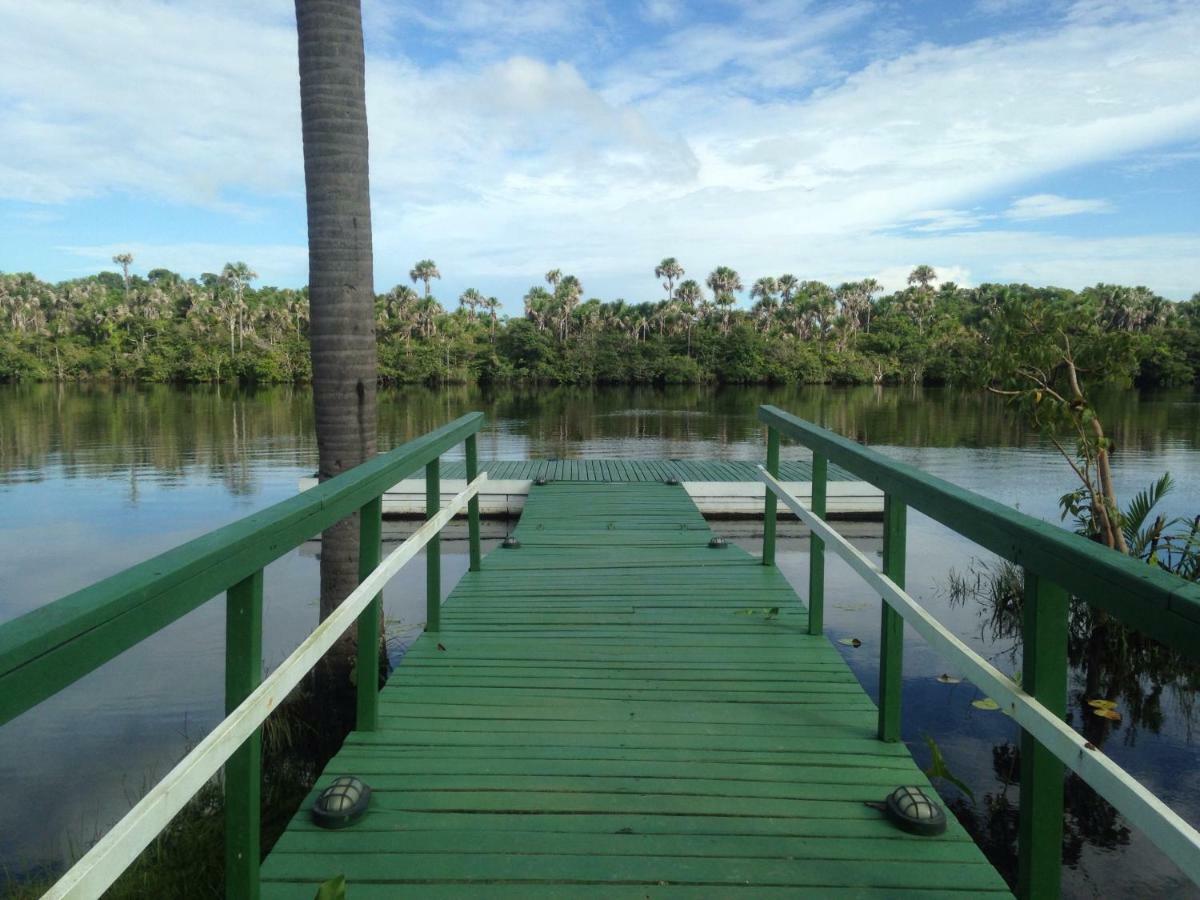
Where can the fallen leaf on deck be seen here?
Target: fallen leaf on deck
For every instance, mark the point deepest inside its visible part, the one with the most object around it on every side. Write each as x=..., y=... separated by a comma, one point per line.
x=986, y=703
x=441, y=646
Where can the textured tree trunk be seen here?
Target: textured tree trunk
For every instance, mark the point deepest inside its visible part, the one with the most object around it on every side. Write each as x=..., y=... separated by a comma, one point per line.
x=341, y=281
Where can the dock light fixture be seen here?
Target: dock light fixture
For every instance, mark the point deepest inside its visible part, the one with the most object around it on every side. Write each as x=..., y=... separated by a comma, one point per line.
x=342, y=803
x=540, y=481
x=673, y=481
x=911, y=809
x=718, y=543
x=511, y=543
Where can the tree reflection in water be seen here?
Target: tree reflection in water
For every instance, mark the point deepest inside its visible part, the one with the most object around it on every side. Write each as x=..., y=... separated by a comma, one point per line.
x=1108, y=661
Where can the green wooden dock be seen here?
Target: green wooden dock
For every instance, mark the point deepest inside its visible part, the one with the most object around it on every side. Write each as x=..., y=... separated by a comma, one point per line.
x=623, y=470
x=616, y=710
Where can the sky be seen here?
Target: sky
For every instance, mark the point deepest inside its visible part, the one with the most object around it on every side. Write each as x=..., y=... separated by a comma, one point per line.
x=1046, y=141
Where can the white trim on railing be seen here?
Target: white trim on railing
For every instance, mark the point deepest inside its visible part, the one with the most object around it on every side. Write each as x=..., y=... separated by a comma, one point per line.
x=113, y=853
x=1170, y=833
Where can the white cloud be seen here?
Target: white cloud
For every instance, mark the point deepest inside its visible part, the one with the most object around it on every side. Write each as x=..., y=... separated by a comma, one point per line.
x=662, y=12
x=947, y=219
x=895, y=278
x=1048, y=206
x=745, y=143
x=184, y=103
x=278, y=263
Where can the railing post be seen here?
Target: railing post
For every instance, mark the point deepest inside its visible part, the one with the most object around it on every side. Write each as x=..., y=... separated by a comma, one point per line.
x=370, y=537
x=473, y=503
x=1044, y=667
x=433, y=550
x=891, y=625
x=770, y=510
x=816, y=548
x=243, y=775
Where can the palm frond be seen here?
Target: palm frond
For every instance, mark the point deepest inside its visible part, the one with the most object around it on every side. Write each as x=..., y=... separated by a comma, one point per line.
x=1138, y=511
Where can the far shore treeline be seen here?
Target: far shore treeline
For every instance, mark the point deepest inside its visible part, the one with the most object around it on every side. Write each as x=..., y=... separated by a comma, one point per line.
x=164, y=328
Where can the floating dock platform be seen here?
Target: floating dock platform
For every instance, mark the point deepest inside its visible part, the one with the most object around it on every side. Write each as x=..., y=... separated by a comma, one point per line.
x=616, y=709
x=720, y=489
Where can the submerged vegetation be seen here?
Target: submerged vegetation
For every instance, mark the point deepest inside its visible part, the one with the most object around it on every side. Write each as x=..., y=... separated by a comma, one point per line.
x=219, y=328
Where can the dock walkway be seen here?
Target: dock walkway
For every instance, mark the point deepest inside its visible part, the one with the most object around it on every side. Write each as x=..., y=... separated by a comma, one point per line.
x=617, y=710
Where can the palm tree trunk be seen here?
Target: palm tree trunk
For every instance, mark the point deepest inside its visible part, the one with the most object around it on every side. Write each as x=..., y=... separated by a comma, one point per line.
x=341, y=279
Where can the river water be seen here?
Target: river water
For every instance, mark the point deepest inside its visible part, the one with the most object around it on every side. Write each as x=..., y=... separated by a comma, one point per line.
x=94, y=479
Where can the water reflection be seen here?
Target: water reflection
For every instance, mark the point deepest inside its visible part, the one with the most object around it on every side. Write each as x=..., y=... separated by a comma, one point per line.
x=96, y=478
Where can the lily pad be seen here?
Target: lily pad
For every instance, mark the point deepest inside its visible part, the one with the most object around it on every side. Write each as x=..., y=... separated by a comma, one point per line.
x=986, y=703
x=1111, y=714
x=1102, y=704
x=850, y=642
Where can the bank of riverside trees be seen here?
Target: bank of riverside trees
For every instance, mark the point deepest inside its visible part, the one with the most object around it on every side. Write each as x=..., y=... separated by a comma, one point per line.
x=220, y=327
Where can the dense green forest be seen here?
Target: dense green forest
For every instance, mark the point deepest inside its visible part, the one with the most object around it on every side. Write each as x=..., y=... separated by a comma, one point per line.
x=163, y=328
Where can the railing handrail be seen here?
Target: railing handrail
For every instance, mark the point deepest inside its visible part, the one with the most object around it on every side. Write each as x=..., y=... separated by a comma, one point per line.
x=53, y=646
x=95, y=872
x=1165, y=828
x=1141, y=596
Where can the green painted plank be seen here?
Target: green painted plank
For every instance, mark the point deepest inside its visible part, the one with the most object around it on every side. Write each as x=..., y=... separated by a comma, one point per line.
x=609, y=708
x=583, y=868
x=278, y=890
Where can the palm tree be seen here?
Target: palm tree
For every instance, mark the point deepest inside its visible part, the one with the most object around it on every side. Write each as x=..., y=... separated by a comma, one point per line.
x=492, y=305
x=470, y=300
x=567, y=296
x=236, y=276
x=538, y=301
x=724, y=282
x=553, y=277
x=124, y=260
x=333, y=115
x=764, y=290
x=689, y=296
x=923, y=277
x=787, y=285
x=670, y=271
x=870, y=288
x=427, y=313
x=426, y=270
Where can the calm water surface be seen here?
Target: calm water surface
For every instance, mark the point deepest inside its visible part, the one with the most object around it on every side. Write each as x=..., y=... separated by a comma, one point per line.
x=93, y=480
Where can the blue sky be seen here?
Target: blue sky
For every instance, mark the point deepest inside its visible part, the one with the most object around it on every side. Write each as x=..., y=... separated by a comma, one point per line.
x=998, y=140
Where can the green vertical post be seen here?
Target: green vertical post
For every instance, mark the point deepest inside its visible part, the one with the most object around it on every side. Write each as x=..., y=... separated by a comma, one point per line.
x=433, y=550
x=771, y=509
x=370, y=537
x=473, y=503
x=816, y=548
x=1044, y=667
x=243, y=771
x=891, y=625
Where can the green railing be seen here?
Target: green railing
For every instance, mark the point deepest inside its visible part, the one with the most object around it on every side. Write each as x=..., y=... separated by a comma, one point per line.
x=51, y=647
x=1056, y=563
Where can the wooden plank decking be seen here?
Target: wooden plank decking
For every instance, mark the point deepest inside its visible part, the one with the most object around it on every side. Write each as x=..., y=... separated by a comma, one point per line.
x=614, y=711
x=621, y=470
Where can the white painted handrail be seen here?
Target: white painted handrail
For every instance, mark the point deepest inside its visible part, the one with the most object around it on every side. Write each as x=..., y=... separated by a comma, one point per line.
x=1166, y=829
x=112, y=854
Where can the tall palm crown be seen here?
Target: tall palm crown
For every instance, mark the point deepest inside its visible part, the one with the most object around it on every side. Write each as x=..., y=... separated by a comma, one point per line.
x=471, y=300
x=923, y=277
x=724, y=282
x=670, y=271
x=689, y=295
x=426, y=270
x=553, y=277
